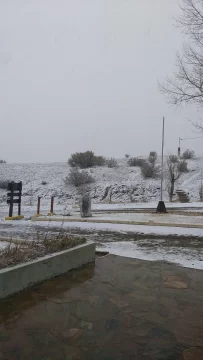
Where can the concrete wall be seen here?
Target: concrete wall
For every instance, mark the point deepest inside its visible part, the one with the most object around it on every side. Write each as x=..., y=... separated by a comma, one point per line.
x=19, y=277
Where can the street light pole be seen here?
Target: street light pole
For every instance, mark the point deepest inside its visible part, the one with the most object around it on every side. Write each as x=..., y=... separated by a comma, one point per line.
x=179, y=147
x=182, y=139
x=161, y=205
x=162, y=160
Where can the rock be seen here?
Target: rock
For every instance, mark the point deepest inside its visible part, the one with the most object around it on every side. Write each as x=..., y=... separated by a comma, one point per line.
x=174, y=282
x=193, y=354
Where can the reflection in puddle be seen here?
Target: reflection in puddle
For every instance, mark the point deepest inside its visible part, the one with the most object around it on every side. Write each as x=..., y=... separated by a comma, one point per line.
x=119, y=309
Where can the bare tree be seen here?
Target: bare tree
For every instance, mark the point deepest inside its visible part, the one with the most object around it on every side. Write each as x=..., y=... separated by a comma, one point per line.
x=173, y=174
x=186, y=87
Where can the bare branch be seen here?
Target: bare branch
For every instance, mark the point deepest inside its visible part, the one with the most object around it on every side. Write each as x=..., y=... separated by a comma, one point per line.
x=173, y=173
x=186, y=86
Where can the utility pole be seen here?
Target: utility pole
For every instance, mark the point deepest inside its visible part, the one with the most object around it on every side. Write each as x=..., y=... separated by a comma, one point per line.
x=161, y=205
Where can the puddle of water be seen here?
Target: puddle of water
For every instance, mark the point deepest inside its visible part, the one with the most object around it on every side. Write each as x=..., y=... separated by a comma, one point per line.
x=120, y=309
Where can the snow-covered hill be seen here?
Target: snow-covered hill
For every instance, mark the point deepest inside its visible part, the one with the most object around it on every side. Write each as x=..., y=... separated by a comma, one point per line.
x=126, y=183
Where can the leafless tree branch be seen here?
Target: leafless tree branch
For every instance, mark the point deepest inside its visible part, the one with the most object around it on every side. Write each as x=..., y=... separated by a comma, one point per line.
x=186, y=86
x=173, y=174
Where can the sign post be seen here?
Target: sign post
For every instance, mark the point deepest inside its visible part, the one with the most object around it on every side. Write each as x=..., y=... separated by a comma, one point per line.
x=14, y=196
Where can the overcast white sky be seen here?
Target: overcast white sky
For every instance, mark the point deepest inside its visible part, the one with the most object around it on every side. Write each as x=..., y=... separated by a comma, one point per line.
x=82, y=74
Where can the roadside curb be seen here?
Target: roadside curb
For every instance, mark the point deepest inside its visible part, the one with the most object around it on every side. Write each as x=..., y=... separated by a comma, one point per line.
x=124, y=222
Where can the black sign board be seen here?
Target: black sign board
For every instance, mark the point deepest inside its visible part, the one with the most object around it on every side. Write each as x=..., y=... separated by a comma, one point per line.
x=15, y=191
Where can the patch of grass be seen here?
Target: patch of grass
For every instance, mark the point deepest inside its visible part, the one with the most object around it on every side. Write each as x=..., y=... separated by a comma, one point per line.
x=66, y=242
x=20, y=253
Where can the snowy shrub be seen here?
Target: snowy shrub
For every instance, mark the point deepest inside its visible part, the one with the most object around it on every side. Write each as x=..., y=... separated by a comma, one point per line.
x=78, y=178
x=4, y=184
x=112, y=163
x=173, y=159
x=86, y=160
x=43, y=183
x=136, y=162
x=149, y=170
x=2, y=162
x=127, y=156
x=188, y=154
x=152, y=157
x=99, y=161
x=182, y=166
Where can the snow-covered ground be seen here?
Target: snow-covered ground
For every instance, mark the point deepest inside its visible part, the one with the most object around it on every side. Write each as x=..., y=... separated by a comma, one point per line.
x=3, y=245
x=152, y=251
x=128, y=186
x=177, y=245
x=23, y=227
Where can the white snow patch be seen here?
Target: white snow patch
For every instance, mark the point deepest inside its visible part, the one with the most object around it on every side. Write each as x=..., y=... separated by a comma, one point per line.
x=3, y=245
x=185, y=257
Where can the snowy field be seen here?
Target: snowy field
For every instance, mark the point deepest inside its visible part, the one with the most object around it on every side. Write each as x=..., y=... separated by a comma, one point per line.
x=128, y=186
x=129, y=192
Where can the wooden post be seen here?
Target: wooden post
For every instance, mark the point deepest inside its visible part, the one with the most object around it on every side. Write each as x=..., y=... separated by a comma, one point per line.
x=11, y=200
x=52, y=205
x=20, y=195
x=38, y=205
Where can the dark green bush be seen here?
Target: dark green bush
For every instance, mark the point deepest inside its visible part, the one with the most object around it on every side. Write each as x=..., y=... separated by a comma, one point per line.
x=152, y=157
x=173, y=159
x=86, y=160
x=182, y=166
x=112, y=163
x=78, y=178
x=188, y=154
x=136, y=162
x=149, y=170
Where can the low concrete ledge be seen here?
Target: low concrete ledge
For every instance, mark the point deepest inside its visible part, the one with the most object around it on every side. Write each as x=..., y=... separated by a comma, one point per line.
x=113, y=221
x=19, y=277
